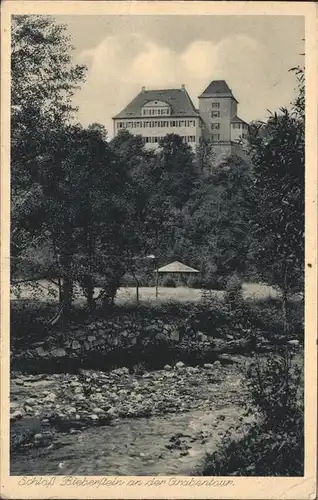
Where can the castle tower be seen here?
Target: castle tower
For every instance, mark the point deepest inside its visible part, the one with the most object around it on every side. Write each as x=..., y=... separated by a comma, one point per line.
x=217, y=107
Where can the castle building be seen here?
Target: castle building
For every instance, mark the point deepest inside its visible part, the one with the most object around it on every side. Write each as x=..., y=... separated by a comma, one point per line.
x=156, y=113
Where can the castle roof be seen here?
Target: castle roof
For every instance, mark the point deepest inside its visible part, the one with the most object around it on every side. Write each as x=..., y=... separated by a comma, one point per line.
x=178, y=99
x=236, y=119
x=217, y=88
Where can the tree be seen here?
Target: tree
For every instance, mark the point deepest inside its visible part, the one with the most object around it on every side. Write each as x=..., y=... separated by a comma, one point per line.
x=44, y=79
x=217, y=221
x=278, y=154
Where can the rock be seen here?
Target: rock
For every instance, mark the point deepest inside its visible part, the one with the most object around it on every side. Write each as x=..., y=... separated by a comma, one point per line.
x=30, y=402
x=16, y=415
x=175, y=335
x=293, y=342
x=50, y=398
x=76, y=345
x=41, y=352
x=98, y=411
x=217, y=363
x=91, y=338
x=146, y=375
x=19, y=381
x=208, y=366
x=94, y=417
x=179, y=365
x=167, y=367
x=112, y=412
x=28, y=409
x=58, y=353
x=38, y=437
x=125, y=370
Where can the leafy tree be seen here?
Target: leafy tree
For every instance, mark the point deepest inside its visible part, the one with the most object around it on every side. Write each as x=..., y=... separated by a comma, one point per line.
x=278, y=153
x=217, y=219
x=44, y=79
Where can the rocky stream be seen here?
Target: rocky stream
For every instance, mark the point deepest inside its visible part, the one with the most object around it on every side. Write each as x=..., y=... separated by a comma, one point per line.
x=125, y=421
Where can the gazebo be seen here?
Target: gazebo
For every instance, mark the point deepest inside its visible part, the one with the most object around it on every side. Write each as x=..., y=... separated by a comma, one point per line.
x=175, y=268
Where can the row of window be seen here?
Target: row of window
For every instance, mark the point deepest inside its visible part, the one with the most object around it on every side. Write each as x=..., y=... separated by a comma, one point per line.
x=161, y=123
x=189, y=138
x=155, y=111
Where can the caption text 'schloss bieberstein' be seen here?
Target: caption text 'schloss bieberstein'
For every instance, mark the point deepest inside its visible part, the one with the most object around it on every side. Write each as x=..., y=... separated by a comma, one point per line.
x=102, y=482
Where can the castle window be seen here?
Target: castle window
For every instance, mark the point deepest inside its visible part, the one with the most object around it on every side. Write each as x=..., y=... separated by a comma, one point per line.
x=215, y=137
x=215, y=126
x=215, y=104
x=215, y=114
x=236, y=125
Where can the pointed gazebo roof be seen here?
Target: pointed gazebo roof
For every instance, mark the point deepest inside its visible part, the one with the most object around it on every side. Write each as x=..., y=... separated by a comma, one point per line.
x=177, y=267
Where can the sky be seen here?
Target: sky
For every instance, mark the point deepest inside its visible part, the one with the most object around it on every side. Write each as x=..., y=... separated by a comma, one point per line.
x=123, y=53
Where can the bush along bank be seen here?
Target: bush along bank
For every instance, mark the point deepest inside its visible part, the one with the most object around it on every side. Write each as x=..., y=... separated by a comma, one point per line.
x=274, y=446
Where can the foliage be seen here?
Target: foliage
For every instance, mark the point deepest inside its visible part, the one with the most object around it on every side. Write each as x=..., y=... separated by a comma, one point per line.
x=44, y=80
x=274, y=444
x=277, y=149
x=274, y=387
x=234, y=293
x=169, y=282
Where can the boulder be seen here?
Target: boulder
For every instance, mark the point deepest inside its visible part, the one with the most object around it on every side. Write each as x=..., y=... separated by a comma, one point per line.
x=76, y=345
x=179, y=365
x=58, y=353
x=208, y=366
x=167, y=367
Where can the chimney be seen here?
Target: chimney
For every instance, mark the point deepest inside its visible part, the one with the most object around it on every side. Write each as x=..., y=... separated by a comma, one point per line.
x=143, y=89
x=183, y=86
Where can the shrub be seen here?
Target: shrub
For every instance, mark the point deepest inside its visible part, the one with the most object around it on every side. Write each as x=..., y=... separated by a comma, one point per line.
x=274, y=446
x=274, y=386
x=234, y=294
x=169, y=282
x=194, y=282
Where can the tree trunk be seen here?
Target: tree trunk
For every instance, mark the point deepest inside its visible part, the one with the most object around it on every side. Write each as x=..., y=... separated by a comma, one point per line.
x=67, y=296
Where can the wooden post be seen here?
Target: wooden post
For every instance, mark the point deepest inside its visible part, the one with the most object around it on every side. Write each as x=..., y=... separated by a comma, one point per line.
x=157, y=280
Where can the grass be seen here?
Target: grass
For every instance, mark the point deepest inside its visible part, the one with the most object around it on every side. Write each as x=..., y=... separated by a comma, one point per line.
x=125, y=295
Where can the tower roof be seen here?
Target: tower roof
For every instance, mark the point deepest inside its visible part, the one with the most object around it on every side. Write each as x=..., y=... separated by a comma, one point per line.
x=217, y=88
x=178, y=99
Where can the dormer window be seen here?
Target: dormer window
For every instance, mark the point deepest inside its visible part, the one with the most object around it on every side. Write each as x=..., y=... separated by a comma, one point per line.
x=156, y=108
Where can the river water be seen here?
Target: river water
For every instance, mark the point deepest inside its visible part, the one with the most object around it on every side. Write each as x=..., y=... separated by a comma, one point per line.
x=172, y=444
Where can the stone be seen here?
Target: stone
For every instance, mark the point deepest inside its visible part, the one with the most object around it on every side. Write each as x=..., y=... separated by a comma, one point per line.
x=38, y=437
x=180, y=365
x=76, y=345
x=91, y=338
x=167, y=368
x=98, y=411
x=16, y=415
x=112, y=412
x=19, y=381
x=217, y=363
x=50, y=398
x=175, y=335
x=208, y=366
x=293, y=342
x=41, y=352
x=30, y=402
x=94, y=417
x=58, y=353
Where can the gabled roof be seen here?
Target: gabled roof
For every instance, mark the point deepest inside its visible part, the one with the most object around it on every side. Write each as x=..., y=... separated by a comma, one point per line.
x=178, y=99
x=177, y=267
x=217, y=88
x=236, y=119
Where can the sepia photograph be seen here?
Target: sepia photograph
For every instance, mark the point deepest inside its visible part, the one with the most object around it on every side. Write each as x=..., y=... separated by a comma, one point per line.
x=157, y=247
